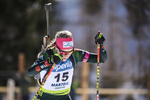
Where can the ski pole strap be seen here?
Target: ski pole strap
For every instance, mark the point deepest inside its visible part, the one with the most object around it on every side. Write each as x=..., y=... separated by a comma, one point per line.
x=86, y=57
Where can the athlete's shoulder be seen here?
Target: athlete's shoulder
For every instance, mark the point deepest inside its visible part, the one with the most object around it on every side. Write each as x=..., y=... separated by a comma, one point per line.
x=77, y=49
x=49, y=52
x=80, y=50
x=46, y=54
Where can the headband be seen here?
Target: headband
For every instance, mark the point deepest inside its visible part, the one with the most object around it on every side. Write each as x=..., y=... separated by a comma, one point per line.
x=65, y=43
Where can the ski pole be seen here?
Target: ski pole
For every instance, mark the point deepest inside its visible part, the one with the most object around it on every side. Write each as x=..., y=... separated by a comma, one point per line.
x=46, y=39
x=47, y=9
x=44, y=81
x=98, y=60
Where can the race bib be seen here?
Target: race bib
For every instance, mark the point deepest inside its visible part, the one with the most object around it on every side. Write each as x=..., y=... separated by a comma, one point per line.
x=60, y=77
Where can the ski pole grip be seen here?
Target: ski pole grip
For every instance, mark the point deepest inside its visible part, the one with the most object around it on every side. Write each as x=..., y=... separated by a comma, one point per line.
x=99, y=32
x=48, y=7
x=98, y=35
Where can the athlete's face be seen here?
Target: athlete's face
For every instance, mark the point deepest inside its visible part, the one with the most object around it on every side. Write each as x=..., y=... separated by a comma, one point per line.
x=64, y=53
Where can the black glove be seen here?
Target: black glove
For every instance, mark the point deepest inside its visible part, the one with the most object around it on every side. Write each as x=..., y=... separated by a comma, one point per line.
x=56, y=58
x=99, y=38
x=53, y=59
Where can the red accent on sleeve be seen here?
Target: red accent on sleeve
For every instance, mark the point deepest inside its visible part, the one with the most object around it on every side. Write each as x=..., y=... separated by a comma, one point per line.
x=46, y=63
x=37, y=68
x=103, y=47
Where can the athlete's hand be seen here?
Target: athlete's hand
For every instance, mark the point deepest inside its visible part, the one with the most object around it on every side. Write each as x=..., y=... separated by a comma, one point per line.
x=48, y=62
x=99, y=38
x=53, y=59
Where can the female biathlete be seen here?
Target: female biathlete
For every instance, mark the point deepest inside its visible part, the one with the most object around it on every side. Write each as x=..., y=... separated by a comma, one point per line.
x=62, y=53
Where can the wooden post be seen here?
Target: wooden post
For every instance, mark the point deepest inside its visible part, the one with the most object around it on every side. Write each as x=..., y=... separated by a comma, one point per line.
x=21, y=69
x=84, y=79
x=10, y=89
x=21, y=62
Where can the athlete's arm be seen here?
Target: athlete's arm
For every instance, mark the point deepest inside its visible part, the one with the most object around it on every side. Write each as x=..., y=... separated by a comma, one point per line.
x=85, y=56
x=40, y=64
